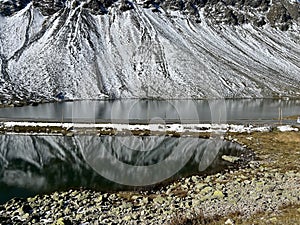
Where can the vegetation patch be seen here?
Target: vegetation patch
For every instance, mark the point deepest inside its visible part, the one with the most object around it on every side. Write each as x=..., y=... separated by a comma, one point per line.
x=277, y=150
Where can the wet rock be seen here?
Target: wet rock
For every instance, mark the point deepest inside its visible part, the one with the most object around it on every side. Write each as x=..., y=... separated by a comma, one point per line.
x=34, y=103
x=35, y=219
x=27, y=208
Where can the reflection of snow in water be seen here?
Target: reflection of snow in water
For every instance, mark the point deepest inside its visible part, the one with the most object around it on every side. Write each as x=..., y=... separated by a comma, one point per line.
x=45, y=163
x=124, y=159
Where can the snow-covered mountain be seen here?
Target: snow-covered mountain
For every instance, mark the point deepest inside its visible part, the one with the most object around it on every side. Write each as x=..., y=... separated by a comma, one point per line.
x=149, y=49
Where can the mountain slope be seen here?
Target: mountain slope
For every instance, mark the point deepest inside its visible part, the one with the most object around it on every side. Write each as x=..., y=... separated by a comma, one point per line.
x=148, y=49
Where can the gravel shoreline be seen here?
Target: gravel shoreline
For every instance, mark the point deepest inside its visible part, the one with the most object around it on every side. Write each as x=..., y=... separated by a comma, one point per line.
x=246, y=192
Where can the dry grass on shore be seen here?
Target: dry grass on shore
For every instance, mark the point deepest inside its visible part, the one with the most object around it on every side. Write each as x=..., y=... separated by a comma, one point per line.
x=275, y=150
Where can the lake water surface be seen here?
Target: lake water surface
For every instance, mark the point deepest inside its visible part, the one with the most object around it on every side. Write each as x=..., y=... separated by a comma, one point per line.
x=168, y=111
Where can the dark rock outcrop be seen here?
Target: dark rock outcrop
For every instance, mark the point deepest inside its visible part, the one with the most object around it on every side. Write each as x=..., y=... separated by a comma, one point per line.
x=282, y=13
x=9, y=7
x=233, y=12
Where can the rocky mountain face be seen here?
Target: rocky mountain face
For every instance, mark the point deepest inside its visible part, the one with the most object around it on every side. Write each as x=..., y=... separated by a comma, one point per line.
x=85, y=49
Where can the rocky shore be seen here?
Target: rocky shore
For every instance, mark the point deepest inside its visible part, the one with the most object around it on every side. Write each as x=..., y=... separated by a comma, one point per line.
x=268, y=184
x=246, y=192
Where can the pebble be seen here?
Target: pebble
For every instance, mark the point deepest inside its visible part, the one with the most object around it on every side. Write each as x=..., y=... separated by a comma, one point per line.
x=200, y=186
x=206, y=190
x=218, y=194
x=273, y=220
x=229, y=222
x=127, y=218
x=230, y=159
x=60, y=221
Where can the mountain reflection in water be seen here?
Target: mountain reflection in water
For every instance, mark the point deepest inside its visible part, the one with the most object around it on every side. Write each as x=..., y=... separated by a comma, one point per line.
x=39, y=164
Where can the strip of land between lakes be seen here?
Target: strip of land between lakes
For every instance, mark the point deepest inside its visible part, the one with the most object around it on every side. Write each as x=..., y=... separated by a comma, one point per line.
x=174, y=129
